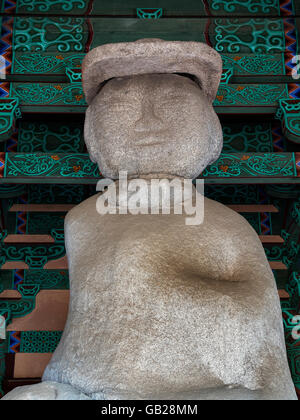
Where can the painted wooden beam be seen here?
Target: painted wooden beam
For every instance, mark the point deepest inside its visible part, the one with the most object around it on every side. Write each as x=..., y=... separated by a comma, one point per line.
x=170, y=8
x=283, y=294
x=62, y=264
x=10, y=294
x=69, y=97
x=45, y=239
x=64, y=208
x=271, y=239
x=49, y=314
x=46, y=279
x=30, y=365
x=278, y=265
x=253, y=208
x=40, y=208
x=29, y=239
x=76, y=168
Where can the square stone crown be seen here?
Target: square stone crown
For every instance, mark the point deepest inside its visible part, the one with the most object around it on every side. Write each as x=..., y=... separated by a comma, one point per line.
x=147, y=56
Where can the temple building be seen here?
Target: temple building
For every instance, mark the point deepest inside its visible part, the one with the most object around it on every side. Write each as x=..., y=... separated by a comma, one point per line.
x=45, y=169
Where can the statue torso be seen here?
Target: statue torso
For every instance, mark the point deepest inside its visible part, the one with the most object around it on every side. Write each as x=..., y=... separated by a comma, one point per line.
x=149, y=296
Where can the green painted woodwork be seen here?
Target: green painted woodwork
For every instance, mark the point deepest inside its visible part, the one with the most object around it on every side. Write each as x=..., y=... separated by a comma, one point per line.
x=28, y=290
x=33, y=256
x=255, y=64
x=249, y=95
x=62, y=34
x=254, y=220
x=51, y=5
x=39, y=341
x=259, y=35
x=294, y=361
x=43, y=223
x=112, y=7
x=41, y=63
x=43, y=97
x=44, y=279
x=233, y=194
x=170, y=7
x=9, y=112
x=227, y=75
x=291, y=248
x=293, y=288
x=241, y=42
x=36, y=136
x=44, y=94
x=73, y=165
x=3, y=235
x=47, y=279
x=32, y=341
x=14, y=309
x=287, y=253
x=58, y=194
x=58, y=235
x=52, y=136
x=147, y=13
x=295, y=213
x=247, y=138
x=245, y=64
x=35, y=223
x=289, y=114
x=274, y=253
x=6, y=282
x=290, y=310
x=288, y=315
x=9, y=191
x=74, y=74
x=77, y=168
x=249, y=6
x=291, y=234
x=70, y=35
x=283, y=191
x=258, y=164
x=20, y=307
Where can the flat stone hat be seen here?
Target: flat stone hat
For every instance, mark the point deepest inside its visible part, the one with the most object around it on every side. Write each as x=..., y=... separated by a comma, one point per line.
x=147, y=56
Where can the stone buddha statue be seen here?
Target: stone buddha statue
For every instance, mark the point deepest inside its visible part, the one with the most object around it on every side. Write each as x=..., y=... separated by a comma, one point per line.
x=160, y=309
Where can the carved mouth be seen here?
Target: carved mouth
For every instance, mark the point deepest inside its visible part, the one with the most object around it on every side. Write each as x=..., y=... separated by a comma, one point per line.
x=149, y=140
x=149, y=143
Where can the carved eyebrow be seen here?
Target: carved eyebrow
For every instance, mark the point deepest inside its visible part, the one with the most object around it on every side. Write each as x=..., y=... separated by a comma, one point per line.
x=114, y=100
x=117, y=97
x=169, y=98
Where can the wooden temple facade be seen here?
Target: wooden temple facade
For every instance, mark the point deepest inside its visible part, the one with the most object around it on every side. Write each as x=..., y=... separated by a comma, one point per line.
x=45, y=169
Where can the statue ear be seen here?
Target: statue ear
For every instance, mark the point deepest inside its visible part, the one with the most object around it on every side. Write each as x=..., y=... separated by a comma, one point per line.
x=89, y=136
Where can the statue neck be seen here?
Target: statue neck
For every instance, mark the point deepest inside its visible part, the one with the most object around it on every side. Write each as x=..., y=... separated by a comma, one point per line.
x=150, y=191
x=149, y=177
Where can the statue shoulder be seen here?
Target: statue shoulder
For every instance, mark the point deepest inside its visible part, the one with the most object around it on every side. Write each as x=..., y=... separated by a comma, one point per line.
x=230, y=224
x=83, y=213
x=236, y=242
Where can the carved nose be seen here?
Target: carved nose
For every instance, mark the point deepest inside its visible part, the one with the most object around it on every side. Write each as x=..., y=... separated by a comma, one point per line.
x=149, y=121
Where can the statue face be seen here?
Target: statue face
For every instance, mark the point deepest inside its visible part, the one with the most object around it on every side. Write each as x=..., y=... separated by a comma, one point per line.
x=152, y=124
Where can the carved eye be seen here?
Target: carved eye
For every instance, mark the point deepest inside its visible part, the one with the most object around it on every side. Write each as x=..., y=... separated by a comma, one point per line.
x=171, y=101
x=119, y=105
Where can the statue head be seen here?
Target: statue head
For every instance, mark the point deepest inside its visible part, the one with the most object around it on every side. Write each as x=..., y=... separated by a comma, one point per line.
x=146, y=119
